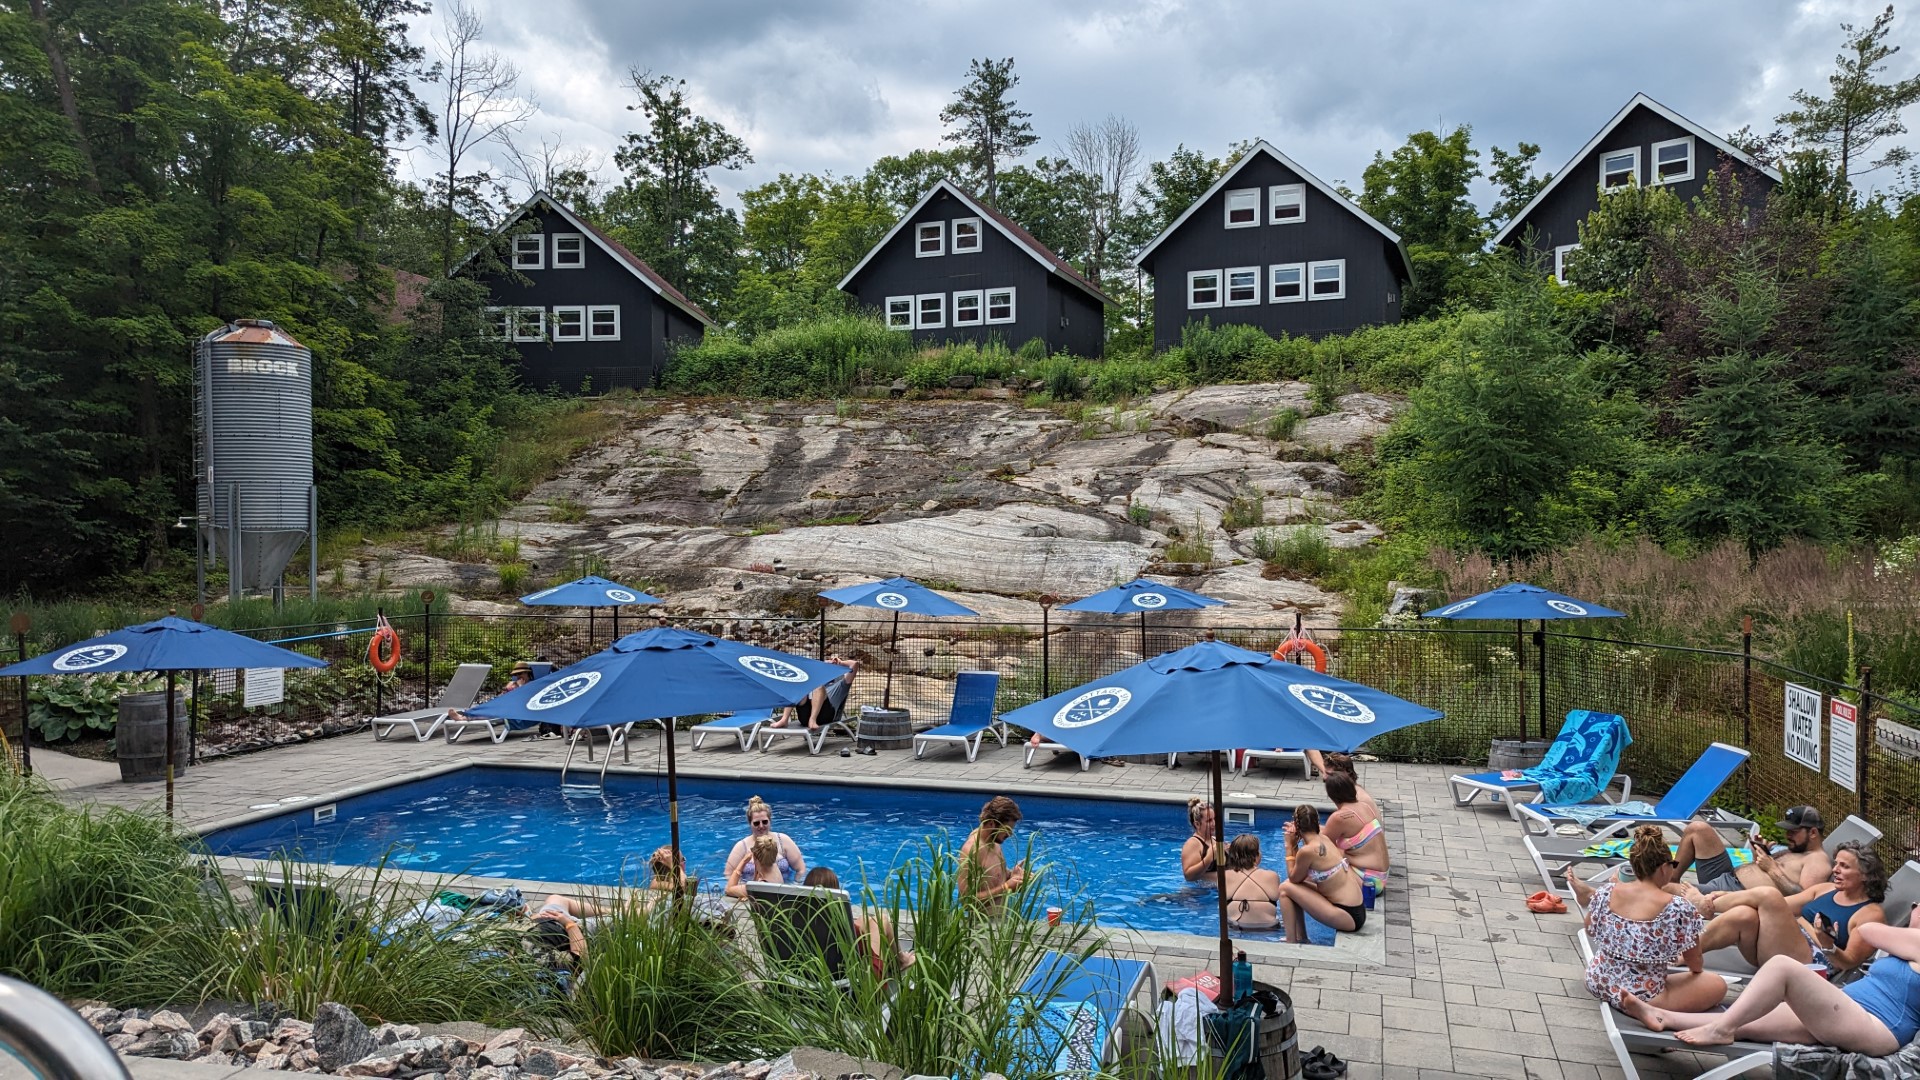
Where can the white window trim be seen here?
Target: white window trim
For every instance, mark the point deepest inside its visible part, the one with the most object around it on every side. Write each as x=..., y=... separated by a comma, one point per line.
x=1226, y=286
x=920, y=321
x=979, y=307
x=1286, y=194
x=1560, y=254
x=535, y=249
x=554, y=324
x=580, y=251
x=979, y=236
x=499, y=323
x=594, y=335
x=1653, y=158
x=1219, y=288
x=1274, y=297
x=987, y=305
x=1312, y=266
x=888, y=312
x=1634, y=151
x=1226, y=214
x=921, y=233
x=529, y=324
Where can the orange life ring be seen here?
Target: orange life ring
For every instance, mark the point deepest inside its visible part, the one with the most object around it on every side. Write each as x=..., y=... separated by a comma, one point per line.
x=388, y=636
x=1299, y=644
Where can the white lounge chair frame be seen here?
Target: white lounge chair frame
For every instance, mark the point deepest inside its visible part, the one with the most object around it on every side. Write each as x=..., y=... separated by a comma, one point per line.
x=969, y=740
x=1466, y=789
x=743, y=726
x=1049, y=744
x=461, y=691
x=1298, y=757
x=1623, y=1033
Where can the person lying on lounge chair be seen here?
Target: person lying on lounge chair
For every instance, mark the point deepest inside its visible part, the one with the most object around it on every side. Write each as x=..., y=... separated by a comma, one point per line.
x=521, y=675
x=556, y=924
x=815, y=709
x=1802, y=866
x=1820, y=925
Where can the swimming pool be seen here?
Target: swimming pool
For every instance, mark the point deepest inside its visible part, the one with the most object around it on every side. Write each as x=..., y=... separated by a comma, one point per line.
x=491, y=821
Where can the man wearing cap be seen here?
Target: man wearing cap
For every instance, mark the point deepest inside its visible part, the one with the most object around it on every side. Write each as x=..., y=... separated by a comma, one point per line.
x=1802, y=865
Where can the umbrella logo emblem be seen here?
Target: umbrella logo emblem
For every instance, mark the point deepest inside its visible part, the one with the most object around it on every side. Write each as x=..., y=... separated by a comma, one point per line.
x=89, y=657
x=1566, y=607
x=768, y=667
x=892, y=600
x=621, y=596
x=1092, y=707
x=1456, y=609
x=1330, y=702
x=564, y=691
x=1150, y=600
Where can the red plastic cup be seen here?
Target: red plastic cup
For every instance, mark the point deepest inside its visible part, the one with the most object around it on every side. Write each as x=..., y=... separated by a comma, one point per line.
x=1053, y=916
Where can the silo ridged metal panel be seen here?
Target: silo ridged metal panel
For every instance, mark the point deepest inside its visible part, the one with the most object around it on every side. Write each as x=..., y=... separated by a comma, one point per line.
x=254, y=403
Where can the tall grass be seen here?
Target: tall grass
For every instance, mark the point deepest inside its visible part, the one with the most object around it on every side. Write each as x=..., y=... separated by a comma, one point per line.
x=659, y=982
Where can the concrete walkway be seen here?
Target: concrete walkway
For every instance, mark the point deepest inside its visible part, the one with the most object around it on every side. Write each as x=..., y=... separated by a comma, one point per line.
x=1472, y=984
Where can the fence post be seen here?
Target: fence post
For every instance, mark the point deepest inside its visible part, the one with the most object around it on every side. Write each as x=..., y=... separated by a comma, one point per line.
x=820, y=646
x=1746, y=707
x=426, y=632
x=26, y=724
x=1046, y=645
x=1865, y=736
x=378, y=679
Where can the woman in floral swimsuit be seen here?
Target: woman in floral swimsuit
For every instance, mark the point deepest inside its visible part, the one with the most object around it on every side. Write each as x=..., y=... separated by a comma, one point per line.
x=1639, y=930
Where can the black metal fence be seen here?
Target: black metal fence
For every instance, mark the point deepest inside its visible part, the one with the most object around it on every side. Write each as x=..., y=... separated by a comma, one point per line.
x=1677, y=700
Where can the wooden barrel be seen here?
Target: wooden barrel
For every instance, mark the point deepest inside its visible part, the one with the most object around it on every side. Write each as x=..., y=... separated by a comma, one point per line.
x=1279, y=1045
x=886, y=729
x=1516, y=753
x=140, y=735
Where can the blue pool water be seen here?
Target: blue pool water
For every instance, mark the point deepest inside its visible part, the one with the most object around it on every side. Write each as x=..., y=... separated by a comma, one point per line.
x=519, y=823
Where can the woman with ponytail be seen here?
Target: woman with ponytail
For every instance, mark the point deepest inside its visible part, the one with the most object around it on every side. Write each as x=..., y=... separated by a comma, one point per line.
x=1639, y=930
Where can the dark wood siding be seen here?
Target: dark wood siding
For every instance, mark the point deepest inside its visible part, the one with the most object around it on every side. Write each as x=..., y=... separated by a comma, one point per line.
x=1556, y=219
x=1040, y=296
x=633, y=361
x=1331, y=231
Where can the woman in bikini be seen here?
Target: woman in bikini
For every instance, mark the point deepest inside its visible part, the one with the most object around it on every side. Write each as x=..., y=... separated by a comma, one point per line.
x=1341, y=762
x=1319, y=881
x=1196, y=854
x=1355, y=828
x=1253, y=893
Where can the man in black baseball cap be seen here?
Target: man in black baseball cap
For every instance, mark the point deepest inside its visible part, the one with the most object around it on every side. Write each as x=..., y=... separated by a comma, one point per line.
x=1802, y=864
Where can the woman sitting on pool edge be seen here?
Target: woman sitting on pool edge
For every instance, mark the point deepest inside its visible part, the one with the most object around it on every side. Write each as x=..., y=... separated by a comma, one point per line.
x=1319, y=881
x=760, y=823
x=1355, y=828
x=1253, y=892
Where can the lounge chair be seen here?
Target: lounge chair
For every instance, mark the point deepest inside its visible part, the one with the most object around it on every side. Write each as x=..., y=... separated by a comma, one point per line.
x=1625, y=1034
x=1106, y=985
x=1297, y=757
x=835, y=722
x=1903, y=891
x=460, y=692
x=1583, y=751
x=1686, y=798
x=743, y=726
x=1552, y=853
x=1049, y=744
x=972, y=717
x=804, y=930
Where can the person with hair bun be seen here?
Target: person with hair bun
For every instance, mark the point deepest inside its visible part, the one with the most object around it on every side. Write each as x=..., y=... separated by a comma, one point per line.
x=1197, y=853
x=1639, y=930
x=1319, y=881
x=984, y=874
x=1355, y=830
x=1343, y=762
x=792, y=867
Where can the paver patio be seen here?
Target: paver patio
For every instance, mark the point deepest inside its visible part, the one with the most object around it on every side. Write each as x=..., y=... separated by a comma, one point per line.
x=1473, y=984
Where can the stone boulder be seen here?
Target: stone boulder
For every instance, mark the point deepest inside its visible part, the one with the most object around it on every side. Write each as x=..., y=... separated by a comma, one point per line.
x=340, y=1038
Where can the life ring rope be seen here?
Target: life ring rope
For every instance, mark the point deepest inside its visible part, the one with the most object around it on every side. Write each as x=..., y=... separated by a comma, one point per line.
x=1299, y=644
x=384, y=635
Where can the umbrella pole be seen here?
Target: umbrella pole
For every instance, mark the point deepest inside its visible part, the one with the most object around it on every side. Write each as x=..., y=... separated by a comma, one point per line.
x=1227, y=993
x=169, y=744
x=673, y=809
x=893, y=651
x=1540, y=649
x=1143, y=635
x=616, y=622
x=1519, y=661
x=590, y=612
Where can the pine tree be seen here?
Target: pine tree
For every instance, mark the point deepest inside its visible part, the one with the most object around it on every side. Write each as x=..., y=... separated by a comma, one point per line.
x=983, y=120
x=1862, y=110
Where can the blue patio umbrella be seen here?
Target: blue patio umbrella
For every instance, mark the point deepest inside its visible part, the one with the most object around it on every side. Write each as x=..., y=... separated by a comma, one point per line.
x=170, y=645
x=1519, y=601
x=1143, y=596
x=897, y=594
x=660, y=673
x=590, y=592
x=1212, y=697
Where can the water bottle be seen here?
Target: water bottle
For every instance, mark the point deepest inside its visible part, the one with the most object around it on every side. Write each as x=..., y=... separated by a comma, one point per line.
x=1366, y=893
x=1242, y=975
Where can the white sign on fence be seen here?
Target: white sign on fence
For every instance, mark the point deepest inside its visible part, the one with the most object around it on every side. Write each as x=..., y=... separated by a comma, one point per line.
x=1803, y=725
x=265, y=686
x=1846, y=730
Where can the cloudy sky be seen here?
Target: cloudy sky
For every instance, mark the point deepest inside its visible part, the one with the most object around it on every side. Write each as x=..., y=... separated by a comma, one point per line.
x=830, y=85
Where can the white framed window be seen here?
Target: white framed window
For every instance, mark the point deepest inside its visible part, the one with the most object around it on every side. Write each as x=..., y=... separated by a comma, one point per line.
x=568, y=324
x=966, y=235
x=1327, y=280
x=930, y=311
x=899, y=312
x=1243, y=286
x=1000, y=305
x=1243, y=208
x=1618, y=168
x=1203, y=288
x=966, y=308
x=603, y=323
x=569, y=251
x=1286, y=204
x=529, y=251
x=529, y=324
x=929, y=239
x=1286, y=283
x=1560, y=262
x=499, y=323
x=1673, y=160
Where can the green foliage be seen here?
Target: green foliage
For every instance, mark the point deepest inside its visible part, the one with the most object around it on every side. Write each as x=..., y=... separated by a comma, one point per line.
x=513, y=576
x=660, y=982
x=1513, y=177
x=1862, y=110
x=64, y=707
x=1189, y=545
x=1422, y=193
x=1615, y=239
x=1049, y=199
x=808, y=361
x=1281, y=425
x=983, y=120
x=1245, y=510
x=1297, y=551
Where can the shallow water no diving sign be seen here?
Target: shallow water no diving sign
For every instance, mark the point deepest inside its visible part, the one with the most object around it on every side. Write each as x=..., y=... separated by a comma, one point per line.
x=1803, y=725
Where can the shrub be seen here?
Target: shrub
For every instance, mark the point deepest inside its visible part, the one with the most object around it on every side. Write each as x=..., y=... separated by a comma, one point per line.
x=1300, y=550
x=1190, y=546
x=65, y=707
x=512, y=576
x=822, y=358
x=659, y=982
x=1281, y=425
x=1244, y=510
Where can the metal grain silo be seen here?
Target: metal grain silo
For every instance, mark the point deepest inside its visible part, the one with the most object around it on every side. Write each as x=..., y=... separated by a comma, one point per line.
x=253, y=452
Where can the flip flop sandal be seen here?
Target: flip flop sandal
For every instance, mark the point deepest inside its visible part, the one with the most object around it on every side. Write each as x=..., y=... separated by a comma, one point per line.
x=1570, y=829
x=1325, y=1068
x=1546, y=903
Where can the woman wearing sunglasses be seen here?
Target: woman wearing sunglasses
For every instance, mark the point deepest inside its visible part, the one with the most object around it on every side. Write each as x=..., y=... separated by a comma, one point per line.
x=1639, y=931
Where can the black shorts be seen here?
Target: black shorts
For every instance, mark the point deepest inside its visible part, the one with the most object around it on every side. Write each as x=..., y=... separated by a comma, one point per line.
x=1358, y=912
x=1716, y=873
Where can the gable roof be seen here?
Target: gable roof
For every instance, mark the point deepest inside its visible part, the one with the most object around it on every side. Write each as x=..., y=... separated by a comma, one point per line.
x=1006, y=226
x=614, y=249
x=1593, y=144
x=1265, y=147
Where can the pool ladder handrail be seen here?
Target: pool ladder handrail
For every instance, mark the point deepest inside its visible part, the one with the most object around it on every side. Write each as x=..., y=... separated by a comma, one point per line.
x=50, y=1039
x=617, y=736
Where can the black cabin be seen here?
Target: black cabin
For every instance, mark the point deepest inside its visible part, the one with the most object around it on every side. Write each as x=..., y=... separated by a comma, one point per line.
x=1645, y=143
x=590, y=314
x=954, y=269
x=1270, y=245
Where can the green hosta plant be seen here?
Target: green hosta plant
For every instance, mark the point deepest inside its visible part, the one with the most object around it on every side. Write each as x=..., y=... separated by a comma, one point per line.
x=64, y=707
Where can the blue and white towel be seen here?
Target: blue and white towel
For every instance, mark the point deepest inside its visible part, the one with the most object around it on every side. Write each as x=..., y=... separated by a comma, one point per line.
x=1583, y=757
x=1587, y=815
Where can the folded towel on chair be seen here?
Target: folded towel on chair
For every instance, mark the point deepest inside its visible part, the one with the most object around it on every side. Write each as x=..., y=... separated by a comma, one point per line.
x=1583, y=757
x=1587, y=815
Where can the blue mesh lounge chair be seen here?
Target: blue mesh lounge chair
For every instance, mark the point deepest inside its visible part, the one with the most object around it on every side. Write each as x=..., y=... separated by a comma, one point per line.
x=972, y=717
x=743, y=726
x=1081, y=1002
x=1685, y=799
x=1585, y=752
